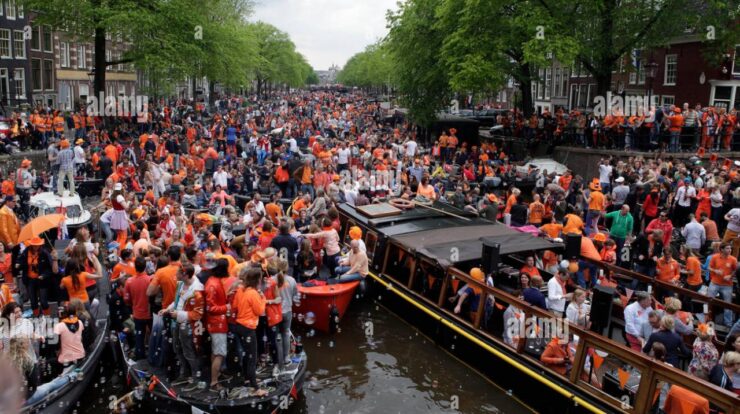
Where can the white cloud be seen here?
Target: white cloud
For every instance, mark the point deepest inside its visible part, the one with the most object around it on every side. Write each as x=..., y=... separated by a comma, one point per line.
x=327, y=32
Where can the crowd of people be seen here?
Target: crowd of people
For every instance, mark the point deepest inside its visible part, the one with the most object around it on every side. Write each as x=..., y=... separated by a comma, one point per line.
x=210, y=219
x=670, y=128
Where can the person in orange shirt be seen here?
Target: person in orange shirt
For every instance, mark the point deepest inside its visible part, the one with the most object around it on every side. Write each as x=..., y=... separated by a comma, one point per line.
x=565, y=180
x=552, y=228
x=722, y=267
x=676, y=123
x=273, y=209
x=529, y=267
x=573, y=224
x=75, y=282
x=693, y=269
x=165, y=279
x=125, y=266
x=248, y=304
x=596, y=206
x=427, y=190
x=111, y=152
x=536, y=211
x=667, y=270
x=511, y=200
x=558, y=356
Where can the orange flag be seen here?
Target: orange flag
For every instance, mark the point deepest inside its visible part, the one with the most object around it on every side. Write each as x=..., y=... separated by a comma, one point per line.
x=430, y=280
x=623, y=377
x=455, y=283
x=598, y=360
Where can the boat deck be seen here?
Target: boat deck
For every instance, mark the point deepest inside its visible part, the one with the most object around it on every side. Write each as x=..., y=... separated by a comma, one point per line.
x=235, y=394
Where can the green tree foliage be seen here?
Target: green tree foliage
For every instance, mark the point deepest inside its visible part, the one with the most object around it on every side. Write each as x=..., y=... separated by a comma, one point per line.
x=371, y=68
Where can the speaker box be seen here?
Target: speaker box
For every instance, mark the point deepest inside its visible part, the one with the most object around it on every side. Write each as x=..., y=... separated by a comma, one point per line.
x=572, y=246
x=601, y=307
x=490, y=255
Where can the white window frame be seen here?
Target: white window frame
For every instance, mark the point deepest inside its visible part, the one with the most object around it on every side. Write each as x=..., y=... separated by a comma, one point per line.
x=81, y=57
x=19, y=11
x=663, y=101
x=548, y=83
x=10, y=11
x=64, y=58
x=666, y=70
x=641, y=72
x=20, y=81
x=2, y=12
x=18, y=35
x=9, y=39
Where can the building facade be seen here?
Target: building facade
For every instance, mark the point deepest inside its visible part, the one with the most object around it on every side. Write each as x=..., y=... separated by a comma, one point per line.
x=15, y=82
x=75, y=73
x=42, y=64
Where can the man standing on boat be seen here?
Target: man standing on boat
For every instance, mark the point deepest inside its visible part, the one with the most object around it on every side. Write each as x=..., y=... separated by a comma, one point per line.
x=65, y=159
x=635, y=315
x=556, y=296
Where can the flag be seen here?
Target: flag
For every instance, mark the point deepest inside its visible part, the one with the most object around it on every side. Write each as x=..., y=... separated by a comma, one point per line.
x=598, y=360
x=623, y=377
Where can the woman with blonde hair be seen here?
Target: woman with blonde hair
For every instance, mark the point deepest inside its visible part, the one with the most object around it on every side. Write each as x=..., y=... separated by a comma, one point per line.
x=675, y=348
x=672, y=306
x=705, y=354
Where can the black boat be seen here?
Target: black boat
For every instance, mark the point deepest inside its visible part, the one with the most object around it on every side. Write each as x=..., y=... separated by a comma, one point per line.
x=420, y=258
x=65, y=398
x=161, y=396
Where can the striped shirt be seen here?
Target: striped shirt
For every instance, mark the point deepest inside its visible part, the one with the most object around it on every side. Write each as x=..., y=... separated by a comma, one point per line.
x=66, y=159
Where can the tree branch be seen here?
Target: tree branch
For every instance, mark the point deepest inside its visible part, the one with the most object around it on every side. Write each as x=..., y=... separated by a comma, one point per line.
x=118, y=62
x=639, y=35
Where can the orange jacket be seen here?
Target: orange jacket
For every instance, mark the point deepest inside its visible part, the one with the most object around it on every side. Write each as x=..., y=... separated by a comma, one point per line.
x=248, y=305
x=554, y=356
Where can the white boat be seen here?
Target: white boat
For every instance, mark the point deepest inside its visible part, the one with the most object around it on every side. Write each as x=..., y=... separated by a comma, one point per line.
x=49, y=203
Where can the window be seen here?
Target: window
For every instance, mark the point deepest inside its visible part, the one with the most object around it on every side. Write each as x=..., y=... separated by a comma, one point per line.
x=64, y=54
x=503, y=96
x=671, y=70
x=36, y=38
x=20, y=83
x=5, y=44
x=541, y=76
x=48, y=47
x=573, y=96
x=19, y=44
x=10, y=9
x=641, y=72
x=736, y=63
x=108, y=55
x=36, y=74
x=2, y=11
x=84, y=92
x=564, y=85
x=557, y=91
x=81, y=57
x=722, y=96
x=548, y=82
x=48, y=74
x=633, y=78
x=668, y=100
x=19, y=10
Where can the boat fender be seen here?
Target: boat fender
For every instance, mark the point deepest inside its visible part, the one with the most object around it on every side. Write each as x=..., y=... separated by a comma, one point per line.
x=333, y=319
x=401, y=203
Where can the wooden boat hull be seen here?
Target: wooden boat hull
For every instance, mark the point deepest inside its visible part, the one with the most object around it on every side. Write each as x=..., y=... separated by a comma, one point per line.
x=471, y=348
x=320, y=300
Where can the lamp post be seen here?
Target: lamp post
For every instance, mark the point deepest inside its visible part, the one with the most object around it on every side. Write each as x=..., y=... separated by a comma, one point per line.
x=11, y=87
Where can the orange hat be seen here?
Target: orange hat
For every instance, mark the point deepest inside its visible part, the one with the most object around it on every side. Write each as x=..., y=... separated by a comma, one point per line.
x=64, y=144
x=336, y=177
x=677, y=110
x=492, y=198
x=35, y=241
x=138, y=213
x=25, y=163
x=600, y=237
x=478, y=275
x=355, y=233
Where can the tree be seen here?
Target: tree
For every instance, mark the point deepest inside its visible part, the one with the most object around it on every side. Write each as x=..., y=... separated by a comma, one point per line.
x=277, y=61
x=415, y=42
x=371, y=68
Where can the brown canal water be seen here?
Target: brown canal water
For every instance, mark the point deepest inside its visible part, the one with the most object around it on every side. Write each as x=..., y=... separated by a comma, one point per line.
x=376, y=364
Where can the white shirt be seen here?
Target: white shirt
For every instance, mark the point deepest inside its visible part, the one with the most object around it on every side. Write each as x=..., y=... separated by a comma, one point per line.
x=684, y=194
x=695, y=235
x=343, y=156
x=221, y=178
x=577, y=314
x=410, y=148
x=292, y=145
x=79, y=155
x=604, y=172
x=555, y=295
x=634, y=317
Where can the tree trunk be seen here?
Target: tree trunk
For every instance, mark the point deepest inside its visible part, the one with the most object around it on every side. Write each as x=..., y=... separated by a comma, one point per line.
x=195, y=93
x=211, y=93
x=100, y=65
x=525, y=82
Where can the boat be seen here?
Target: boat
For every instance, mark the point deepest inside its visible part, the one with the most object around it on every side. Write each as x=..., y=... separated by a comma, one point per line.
x=65, y=398
x=70, y=205
x=420, y=258
x=323, y=306
x=159, y=395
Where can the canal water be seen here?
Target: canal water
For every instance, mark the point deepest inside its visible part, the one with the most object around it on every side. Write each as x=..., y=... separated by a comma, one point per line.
x=376, y=364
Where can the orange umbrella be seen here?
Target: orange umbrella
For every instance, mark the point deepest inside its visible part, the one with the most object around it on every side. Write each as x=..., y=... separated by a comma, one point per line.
x=39, y=225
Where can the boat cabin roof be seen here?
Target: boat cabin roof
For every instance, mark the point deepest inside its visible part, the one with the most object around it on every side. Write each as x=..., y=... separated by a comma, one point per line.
x=438, y=235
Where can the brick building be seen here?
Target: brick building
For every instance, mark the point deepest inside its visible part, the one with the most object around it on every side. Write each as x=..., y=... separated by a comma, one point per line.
x=15, y=82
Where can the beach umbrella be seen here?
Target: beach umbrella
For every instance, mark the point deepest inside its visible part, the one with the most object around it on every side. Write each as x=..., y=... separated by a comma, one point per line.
x=39, y=225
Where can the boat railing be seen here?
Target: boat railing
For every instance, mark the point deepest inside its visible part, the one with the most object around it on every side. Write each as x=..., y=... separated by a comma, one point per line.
x=647, y=377
x=655, y=283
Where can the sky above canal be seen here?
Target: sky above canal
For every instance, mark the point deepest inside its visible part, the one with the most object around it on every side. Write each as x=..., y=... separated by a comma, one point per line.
x=327, y=32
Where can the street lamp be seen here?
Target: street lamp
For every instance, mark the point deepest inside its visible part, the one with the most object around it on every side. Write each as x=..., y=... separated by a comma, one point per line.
x=651, y=70
x=91, y=75
x=11, y=79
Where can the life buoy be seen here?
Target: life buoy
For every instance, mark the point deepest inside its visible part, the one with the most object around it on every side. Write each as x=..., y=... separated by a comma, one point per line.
x=401, y=203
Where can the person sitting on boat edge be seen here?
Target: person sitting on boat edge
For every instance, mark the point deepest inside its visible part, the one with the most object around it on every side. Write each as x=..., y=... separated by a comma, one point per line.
x=354, y=266
x=473, y=292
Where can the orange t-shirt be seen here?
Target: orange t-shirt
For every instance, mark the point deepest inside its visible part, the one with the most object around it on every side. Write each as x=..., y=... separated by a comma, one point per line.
x=80, y=292
x=427, y=192
x=693, y=265
x=552, y=229
x=166, y=279
x=510, y=203
x=597, y=201
x=573, y=224
x=667, y=270
x=273, y=212
x=726, y=265
x=536, y=212
x=122, y=268
x=531, y=271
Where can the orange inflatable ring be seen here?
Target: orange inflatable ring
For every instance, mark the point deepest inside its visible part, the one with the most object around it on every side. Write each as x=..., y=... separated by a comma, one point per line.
x=401, y=203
